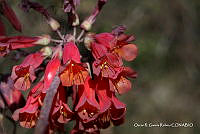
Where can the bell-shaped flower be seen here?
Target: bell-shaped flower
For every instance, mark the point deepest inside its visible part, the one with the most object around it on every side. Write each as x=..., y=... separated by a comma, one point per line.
x=122, y=84
x=98, y=50
x=87, y=107
x=117, y=111
x=108, y=66
x=85, y=128
x=61, y=111
x=24, y=74
x=74, y=73
x=119, y=44
x=29, y=114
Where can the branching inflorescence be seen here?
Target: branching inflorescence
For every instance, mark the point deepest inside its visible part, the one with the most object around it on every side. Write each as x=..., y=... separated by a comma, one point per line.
x=92, y=78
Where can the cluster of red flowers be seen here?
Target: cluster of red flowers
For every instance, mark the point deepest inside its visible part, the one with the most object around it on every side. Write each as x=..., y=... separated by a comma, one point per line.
x=95, y=104
x=92, y=85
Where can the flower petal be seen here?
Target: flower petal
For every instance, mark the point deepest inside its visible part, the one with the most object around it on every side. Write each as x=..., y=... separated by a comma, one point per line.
x=104, y=95
x=34, y=59
x=98, y=50
x=71, y=52
x=74, y=74
x=104, y=39
x=128, y=52
x=87, y=106
x=118, y=109
x=129, y=72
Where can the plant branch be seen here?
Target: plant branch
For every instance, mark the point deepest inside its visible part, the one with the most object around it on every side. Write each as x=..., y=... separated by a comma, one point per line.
x=80, y=35
x=56, y=41
x=60, y=35
x=74, y=32
x=26, y=5
x=42, y=123
x=88, y=22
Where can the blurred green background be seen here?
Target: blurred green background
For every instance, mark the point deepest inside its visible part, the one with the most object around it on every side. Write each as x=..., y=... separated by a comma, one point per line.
x=167, y=89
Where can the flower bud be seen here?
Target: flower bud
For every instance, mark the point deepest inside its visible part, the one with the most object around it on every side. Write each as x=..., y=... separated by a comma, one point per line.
x=43, y=40
x=57, y=52
x=86, y=25
x=54, y=24
x=88, y=40
x=76, y=21
x=46, y=51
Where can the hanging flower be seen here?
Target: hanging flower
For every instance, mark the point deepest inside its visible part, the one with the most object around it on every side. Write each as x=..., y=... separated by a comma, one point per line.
x=74, y=73
x=23, y=75
x=29, y=114
x=87, y=107
x=61, y=111
x=122, y=84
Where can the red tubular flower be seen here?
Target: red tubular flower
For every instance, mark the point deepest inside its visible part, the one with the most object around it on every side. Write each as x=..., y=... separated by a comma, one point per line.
x=117, y=111
x=115, y=114
x=118, y=44
x=28, y=115
x=50, y=72
x=74, y=73
x=124, y=49
x=85, y=128
x=98, y=50
x=24, y=42
x=104, y=96
x=71, y=52
x=103, y=93
x=11, y=43
x=87, y=107
x=61, y=111
x=23, y=74
x=34, y=59
x=10, y=15
x=108, y=66
x=121, y=84
x=112, y=110
x=13, y=97
x=104, y=39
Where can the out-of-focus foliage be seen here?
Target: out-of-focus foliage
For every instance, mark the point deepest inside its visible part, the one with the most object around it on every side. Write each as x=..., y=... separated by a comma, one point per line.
x=167, y=31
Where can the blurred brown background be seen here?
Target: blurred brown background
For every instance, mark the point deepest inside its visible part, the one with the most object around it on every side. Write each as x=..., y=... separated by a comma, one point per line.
x=167, y=89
